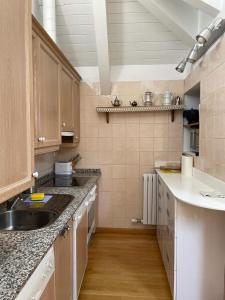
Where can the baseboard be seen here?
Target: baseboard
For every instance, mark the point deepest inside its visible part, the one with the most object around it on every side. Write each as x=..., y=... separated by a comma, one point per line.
x=135, y=231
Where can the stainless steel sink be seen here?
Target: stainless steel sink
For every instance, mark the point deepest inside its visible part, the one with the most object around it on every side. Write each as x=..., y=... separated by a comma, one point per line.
x=26, y=219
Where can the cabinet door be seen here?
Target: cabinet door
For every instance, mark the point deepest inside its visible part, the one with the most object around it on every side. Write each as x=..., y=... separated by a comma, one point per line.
x=76, y=101
x=67, y=105
x=15, y=98
x=81, y=253
x=49, y=292
x=48, y=97
x=63, y=264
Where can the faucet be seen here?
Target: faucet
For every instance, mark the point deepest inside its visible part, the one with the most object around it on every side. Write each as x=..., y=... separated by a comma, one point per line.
x=11, y=204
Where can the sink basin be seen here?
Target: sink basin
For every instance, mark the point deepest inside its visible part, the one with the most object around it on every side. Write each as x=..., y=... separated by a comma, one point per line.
x=26, y=219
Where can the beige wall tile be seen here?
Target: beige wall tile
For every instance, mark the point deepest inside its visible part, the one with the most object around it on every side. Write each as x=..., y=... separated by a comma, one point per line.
x=161, y=130
x=147, y=130
x=132, y=130
x=146, y=158
x=119, y=157
x=105, y=144
x=161, y=144
x=132, y=158
x=146, y=144
x=132, y=144
x=118, y=171
x=105, y=130
x=119, y=130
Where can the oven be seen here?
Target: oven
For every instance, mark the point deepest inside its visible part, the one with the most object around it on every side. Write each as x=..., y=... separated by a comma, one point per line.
x=91, y=209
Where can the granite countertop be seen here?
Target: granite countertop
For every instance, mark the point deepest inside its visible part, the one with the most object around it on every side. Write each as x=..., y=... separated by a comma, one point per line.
x=22, y=251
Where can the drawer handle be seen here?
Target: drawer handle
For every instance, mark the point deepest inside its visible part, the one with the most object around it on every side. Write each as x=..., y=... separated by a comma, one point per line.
x=167, y=256
x=65, y=229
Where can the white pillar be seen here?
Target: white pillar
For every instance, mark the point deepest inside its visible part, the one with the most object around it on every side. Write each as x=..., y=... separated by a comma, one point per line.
x=49, y=18
x=36, y=11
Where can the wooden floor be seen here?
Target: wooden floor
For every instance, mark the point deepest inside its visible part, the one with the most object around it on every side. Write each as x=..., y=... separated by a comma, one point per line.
x=125, y=267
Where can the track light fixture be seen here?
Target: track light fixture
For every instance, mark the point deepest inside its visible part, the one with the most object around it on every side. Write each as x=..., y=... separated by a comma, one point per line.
x=181, y=67
x=203, y=37
x=193, y=54
x=204, y=40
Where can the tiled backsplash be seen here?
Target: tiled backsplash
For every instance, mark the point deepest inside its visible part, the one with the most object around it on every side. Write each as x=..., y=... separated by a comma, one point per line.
x=211, y=74
x=127, y=147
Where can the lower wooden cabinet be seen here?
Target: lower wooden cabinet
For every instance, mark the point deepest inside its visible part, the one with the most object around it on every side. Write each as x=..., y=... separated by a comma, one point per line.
x=166, y=230
x=63, y=264
x=49, y=292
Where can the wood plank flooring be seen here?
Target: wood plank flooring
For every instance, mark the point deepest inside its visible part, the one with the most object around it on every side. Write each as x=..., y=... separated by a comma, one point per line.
x=125, y=267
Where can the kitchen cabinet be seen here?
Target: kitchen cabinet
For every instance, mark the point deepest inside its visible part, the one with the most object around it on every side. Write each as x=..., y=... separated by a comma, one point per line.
x=16, y=159
x=166, y=230
x=67, y=103
x=56, y=93
x=47, y=96
x=63, y=263
x=49, y=292
x=76, y=101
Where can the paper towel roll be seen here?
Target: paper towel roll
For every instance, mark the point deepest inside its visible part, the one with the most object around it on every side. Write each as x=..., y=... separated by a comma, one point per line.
x=187, y=165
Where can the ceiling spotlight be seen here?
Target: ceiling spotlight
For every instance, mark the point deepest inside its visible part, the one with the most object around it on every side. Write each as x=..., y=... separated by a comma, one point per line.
x=181, y=67
x=206, y=33
x=193, y=54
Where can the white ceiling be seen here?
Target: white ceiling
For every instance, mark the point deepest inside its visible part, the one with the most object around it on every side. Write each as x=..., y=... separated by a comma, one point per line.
x=135, y=35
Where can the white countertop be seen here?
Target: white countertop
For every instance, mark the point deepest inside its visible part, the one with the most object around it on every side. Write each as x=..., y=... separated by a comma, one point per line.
x=187, y=190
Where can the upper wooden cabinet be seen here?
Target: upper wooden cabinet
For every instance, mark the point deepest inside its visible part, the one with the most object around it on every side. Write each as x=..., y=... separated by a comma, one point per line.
x=76, y=112
x=55, y=105
x=67, y=103
x=47, y=103
x=15, y=98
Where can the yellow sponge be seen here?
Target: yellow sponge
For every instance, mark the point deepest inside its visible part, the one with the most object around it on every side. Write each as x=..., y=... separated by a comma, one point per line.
x=37, y=196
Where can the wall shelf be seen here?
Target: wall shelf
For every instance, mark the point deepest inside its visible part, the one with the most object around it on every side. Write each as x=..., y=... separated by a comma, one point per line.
x=130, y=109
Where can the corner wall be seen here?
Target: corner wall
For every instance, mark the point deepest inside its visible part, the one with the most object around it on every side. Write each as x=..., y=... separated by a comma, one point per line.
x=210, y=71
x=127, y=147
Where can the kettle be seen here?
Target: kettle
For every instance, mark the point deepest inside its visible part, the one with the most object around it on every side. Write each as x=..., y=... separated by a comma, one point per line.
x=116, y=102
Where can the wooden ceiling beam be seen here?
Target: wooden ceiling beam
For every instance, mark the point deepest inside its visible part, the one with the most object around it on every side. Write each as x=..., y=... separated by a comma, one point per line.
x=210, y=7
x=181, y=19
x=102, y=45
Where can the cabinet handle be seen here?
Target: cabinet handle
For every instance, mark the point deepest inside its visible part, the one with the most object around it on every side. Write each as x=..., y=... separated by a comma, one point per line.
x=41, y=139
x=167, y=256
x=63, y=124
x=168, y=213
x=35, y=174
x=65, y=229
x=168, y=196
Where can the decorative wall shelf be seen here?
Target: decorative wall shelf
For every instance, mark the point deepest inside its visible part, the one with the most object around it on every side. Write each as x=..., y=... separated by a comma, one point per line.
x=130, y=109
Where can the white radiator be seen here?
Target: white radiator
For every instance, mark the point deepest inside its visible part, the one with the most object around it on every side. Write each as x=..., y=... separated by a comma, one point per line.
x=150, y=199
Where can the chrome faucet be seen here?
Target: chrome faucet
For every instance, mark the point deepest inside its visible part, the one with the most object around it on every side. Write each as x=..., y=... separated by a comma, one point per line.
x=11, y=204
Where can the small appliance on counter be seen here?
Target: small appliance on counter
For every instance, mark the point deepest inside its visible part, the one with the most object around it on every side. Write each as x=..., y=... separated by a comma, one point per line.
x=63, y=168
